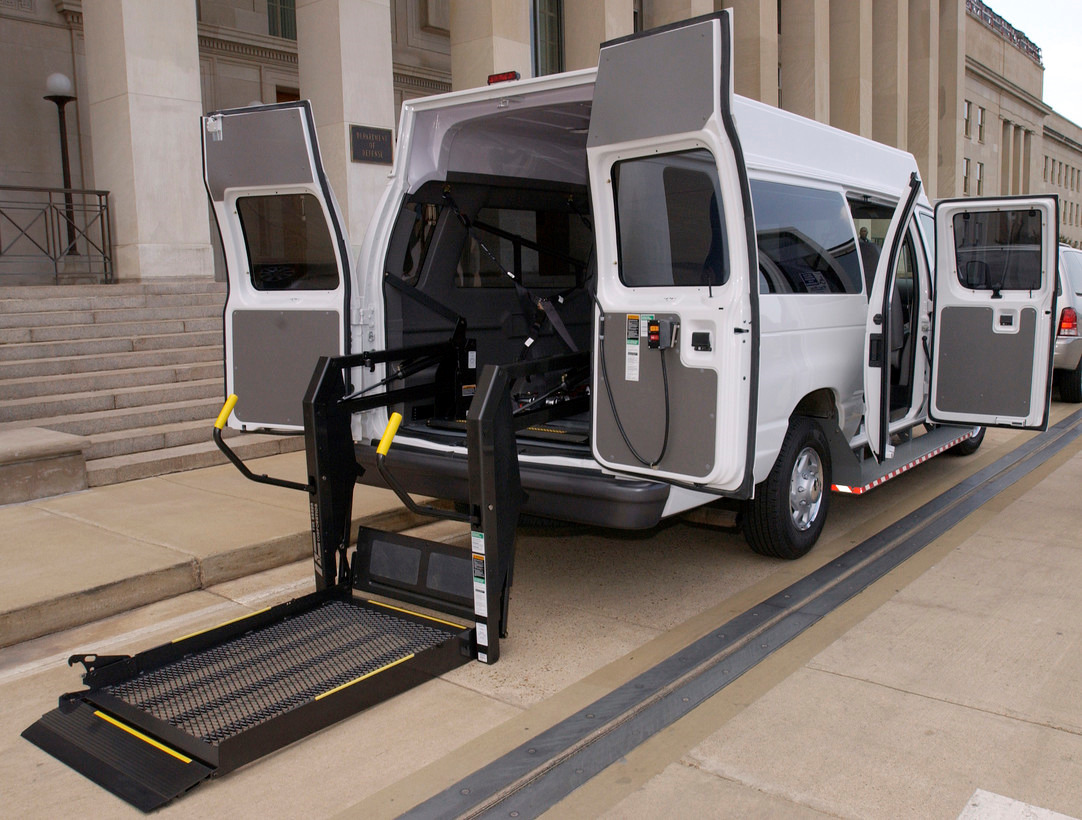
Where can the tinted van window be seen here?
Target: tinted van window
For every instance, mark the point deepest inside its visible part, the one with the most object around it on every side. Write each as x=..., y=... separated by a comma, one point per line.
x=669, y=224
x=806, y=241
x=289, y=246
x=998, y=250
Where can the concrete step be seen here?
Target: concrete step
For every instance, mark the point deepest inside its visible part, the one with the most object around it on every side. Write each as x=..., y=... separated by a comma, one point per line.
x=92, y=401
x=135, y=314
x=25, y=388
x=105, y=302
x=58, y=333
x=63, y=365
x=160, y=436
x=115, y=289
x=187, y=457
x=94, y=347
x=128, y=418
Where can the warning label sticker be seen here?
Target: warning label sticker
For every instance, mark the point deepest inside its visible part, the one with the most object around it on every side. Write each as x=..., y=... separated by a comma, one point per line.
x=480, y=588
x=631, y=349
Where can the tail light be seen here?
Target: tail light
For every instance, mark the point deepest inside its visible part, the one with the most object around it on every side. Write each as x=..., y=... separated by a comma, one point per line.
x=1068, y=323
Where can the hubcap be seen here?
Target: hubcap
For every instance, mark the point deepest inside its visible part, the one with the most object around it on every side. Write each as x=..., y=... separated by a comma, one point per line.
x=806, y=489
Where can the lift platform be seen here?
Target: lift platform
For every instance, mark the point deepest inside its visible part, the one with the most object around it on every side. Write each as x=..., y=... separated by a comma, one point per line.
x=151, y=726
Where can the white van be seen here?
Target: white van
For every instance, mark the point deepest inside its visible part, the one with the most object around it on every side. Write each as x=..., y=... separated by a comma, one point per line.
x=755, y=306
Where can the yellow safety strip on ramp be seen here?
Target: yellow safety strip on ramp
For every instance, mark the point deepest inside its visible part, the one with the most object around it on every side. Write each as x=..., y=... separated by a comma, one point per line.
x=141, y=736
x=416, y=614
x=223, y=623
x=364, y=677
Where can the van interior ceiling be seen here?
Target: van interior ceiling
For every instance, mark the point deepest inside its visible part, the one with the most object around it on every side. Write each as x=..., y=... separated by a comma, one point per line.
x=501, y=240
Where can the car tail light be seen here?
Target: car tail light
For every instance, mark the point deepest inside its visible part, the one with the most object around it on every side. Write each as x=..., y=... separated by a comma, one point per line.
x=1068, y=323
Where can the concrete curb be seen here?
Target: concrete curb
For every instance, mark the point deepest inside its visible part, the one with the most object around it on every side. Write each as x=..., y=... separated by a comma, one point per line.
x=147, y=587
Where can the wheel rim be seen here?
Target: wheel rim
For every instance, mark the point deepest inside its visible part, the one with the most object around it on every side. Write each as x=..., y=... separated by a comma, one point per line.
x=806, y=489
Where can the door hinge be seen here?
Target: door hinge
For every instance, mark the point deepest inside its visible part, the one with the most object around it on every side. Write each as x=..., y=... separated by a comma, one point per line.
x=214, y=127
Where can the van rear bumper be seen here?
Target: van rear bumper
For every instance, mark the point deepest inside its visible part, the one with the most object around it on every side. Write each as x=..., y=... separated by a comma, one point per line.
x=562, y=493
x=1068, y=352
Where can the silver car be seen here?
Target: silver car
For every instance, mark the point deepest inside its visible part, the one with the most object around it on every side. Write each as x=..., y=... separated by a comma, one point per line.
x=1068, y=358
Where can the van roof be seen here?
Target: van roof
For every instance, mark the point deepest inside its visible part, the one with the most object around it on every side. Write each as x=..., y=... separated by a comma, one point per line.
x=773, y=140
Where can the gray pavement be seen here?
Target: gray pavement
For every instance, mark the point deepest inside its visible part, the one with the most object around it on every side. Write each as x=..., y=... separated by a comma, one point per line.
x=949, y=687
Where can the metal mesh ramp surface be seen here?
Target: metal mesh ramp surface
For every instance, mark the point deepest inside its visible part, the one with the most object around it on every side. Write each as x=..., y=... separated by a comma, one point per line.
x=152, y=725
x=219, y=692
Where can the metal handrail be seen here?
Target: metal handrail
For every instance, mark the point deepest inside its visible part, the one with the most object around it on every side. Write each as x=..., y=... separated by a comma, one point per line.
x=65, y=229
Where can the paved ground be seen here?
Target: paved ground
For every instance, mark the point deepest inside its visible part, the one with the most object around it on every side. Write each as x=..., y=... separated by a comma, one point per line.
x=950, y=686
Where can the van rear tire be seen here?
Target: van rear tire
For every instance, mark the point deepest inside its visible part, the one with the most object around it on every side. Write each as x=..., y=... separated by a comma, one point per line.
x=786, y=516
x=970, y=445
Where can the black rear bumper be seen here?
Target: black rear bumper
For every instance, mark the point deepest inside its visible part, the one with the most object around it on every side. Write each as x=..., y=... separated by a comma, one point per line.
x=562, y=493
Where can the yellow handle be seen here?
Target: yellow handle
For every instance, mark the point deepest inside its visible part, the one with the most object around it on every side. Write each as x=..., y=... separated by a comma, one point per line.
x=223, y=417
x=388, y=434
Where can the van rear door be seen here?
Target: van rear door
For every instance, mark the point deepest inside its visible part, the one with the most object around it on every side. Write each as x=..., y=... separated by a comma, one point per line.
x=286, y=255
x=675, y=386
x=994, y=311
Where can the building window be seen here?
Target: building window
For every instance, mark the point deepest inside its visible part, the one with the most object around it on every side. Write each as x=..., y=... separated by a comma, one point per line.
x=966, y=109
x=282, y=18
x=1045, y=177
x=636, y=16
x=548, y=37
x=980, y=124
x=980, y=179
x=965, y=176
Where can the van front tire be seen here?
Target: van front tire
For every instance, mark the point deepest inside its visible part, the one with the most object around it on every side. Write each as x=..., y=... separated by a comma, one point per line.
x=786, y=516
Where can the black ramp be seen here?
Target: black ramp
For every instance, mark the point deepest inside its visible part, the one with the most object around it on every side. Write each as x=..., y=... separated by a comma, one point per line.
x=216, y=694
x=152, y=726
x=123, y=760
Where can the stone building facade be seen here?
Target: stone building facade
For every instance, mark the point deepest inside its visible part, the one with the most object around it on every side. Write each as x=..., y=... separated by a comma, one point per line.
x=948, y=80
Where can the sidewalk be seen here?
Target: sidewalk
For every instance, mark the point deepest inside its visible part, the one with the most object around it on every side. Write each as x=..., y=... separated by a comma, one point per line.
x=73, y=559
x=948, y=686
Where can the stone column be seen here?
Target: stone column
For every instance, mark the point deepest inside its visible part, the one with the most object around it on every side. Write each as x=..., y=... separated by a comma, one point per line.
x=755, y=58
x=923, y=135
x=1018, y=138
x=662, y=12
x=1027, y=161
x=952, y=66
x=851, y=36
x=589, y=23
x=344, y=66
x=489, y=37
x=1006, y=155
x=142, y=71
x=890, y=77
x=805, y=57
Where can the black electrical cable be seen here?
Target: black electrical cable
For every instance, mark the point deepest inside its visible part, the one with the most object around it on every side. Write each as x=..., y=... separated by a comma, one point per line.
x=612, y=401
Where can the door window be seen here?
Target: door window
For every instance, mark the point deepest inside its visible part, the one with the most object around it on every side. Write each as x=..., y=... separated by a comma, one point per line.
x=669, y=224
x=998, y=250
x=288, y=243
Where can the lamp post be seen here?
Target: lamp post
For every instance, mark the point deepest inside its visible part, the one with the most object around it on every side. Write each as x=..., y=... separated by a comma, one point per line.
x=61, y=91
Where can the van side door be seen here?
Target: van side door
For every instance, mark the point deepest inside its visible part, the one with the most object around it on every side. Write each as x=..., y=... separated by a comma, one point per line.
x=676, y=348
x=994, y=311
x=879, y=327
x=286, y=254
